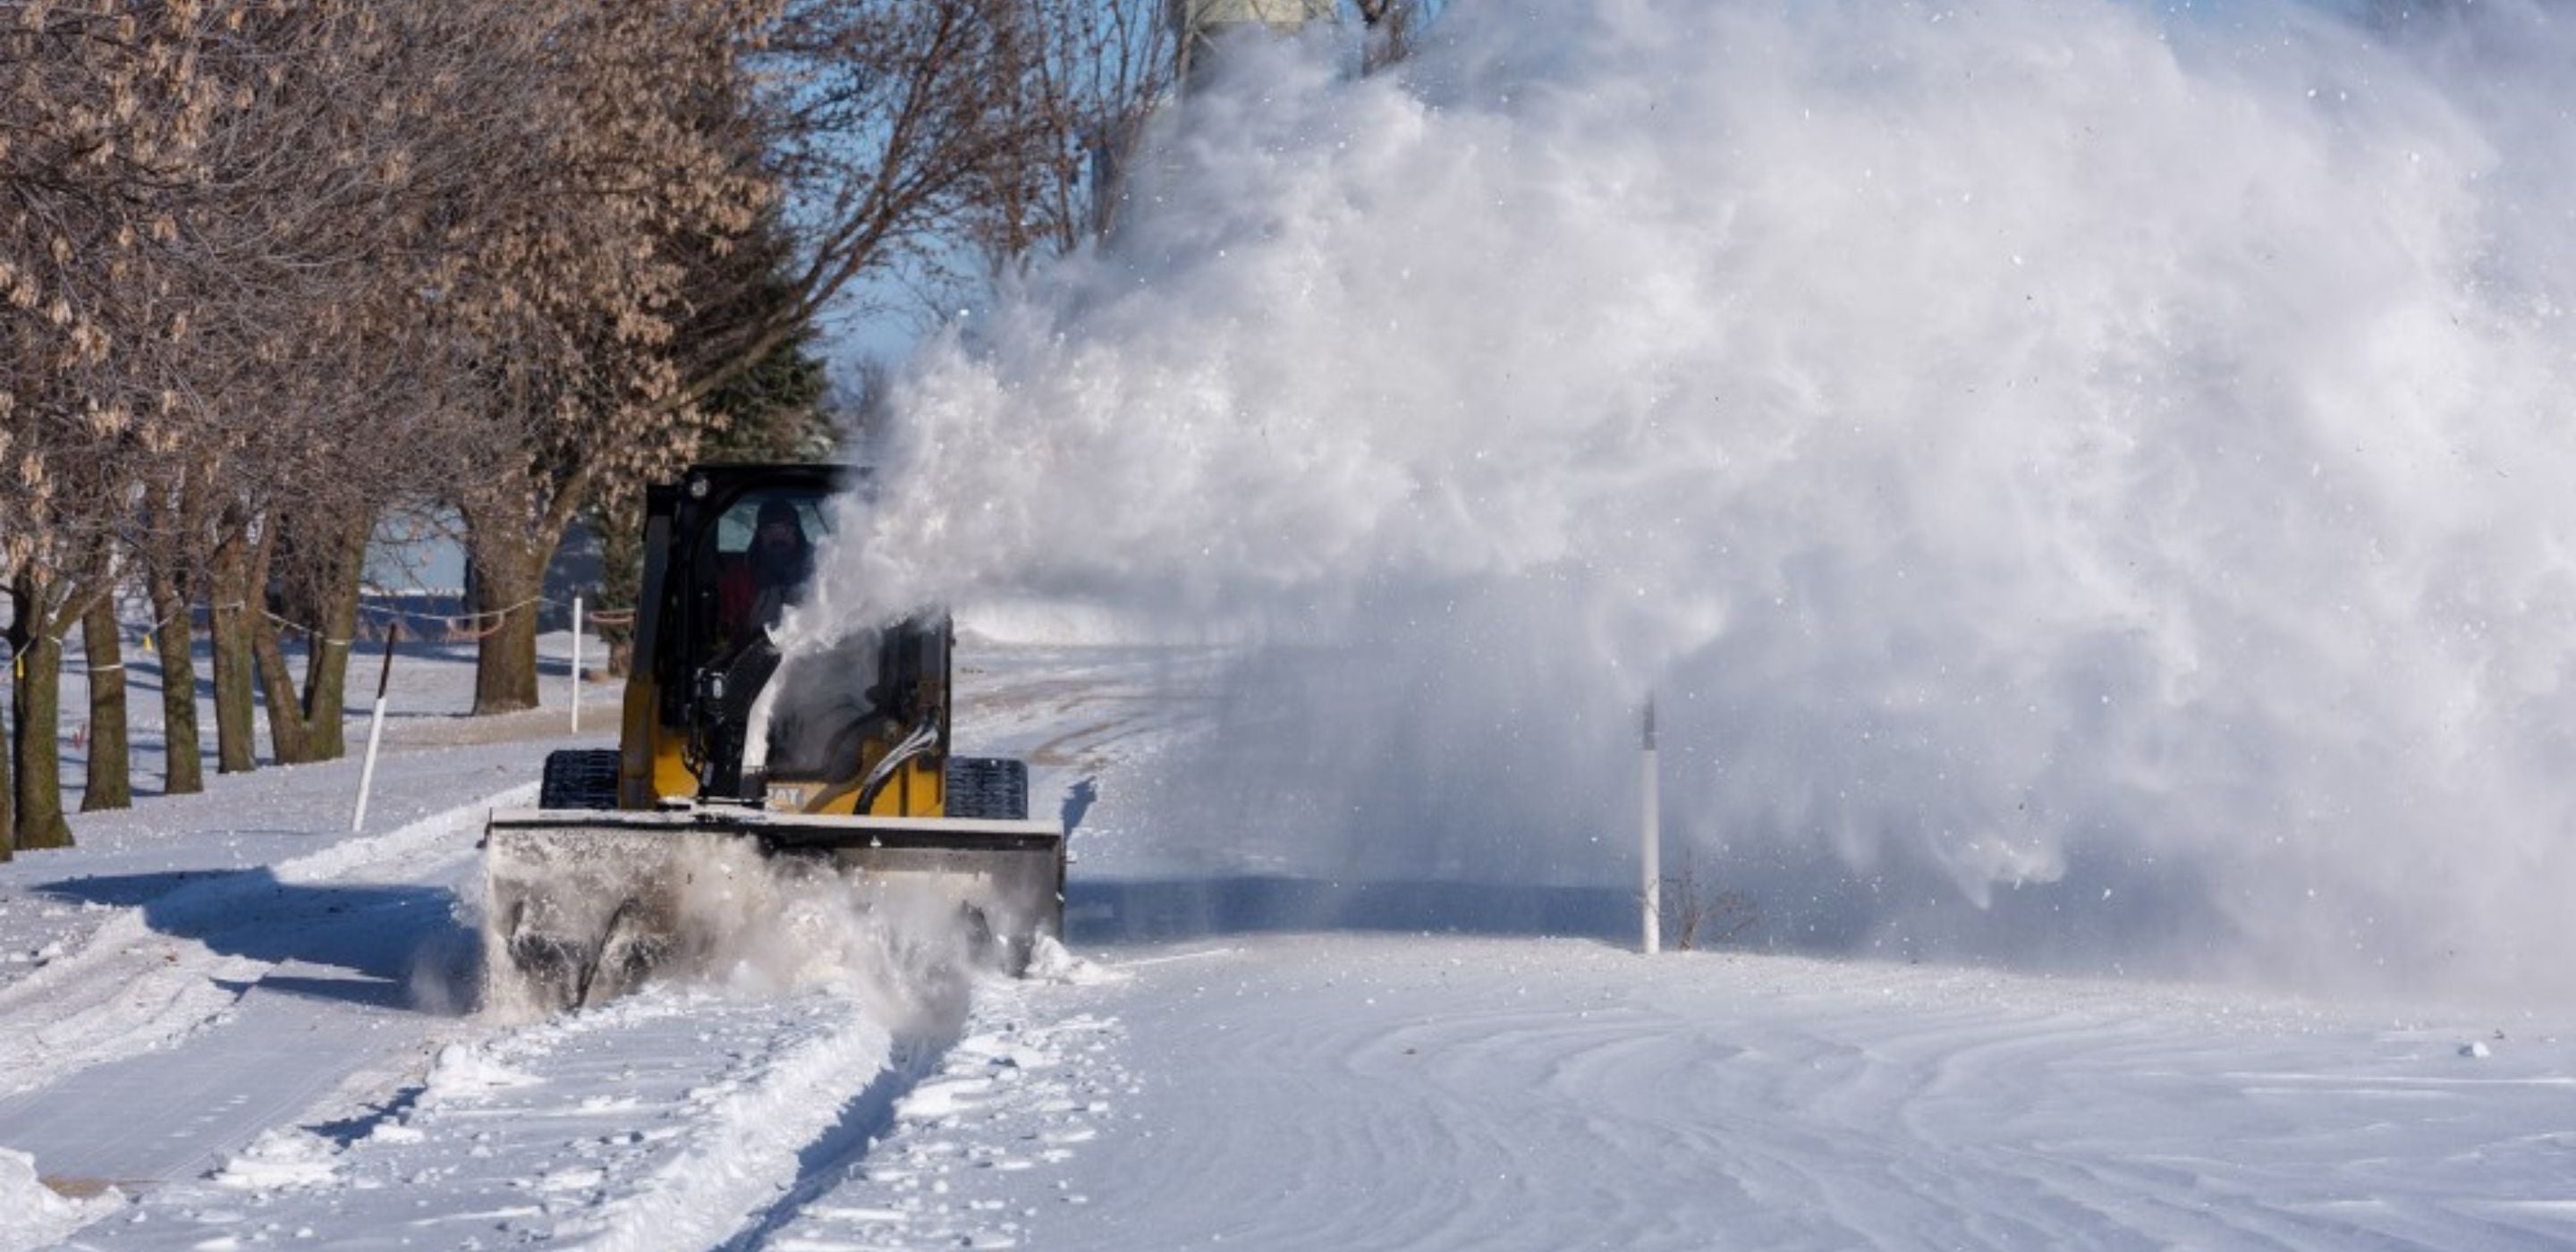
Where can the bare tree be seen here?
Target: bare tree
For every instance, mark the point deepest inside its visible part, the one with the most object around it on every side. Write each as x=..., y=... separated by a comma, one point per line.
x=269, y=265
x=894, y=126
x=1097, y=72
x=105, y=114
x=218, y=219
x=566, y=281
x=294, y=247
x=1698, y=914
x=890, y=128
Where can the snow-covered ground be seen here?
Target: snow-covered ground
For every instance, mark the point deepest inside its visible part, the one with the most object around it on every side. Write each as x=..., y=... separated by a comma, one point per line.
x=226, y=1022
x=2086, y=482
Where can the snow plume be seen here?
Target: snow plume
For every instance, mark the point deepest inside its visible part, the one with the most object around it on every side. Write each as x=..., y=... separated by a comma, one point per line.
x=2085, y=486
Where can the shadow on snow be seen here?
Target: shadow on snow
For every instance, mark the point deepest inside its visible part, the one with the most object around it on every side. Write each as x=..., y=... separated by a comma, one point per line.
x=1154, y=910
x=358, y=944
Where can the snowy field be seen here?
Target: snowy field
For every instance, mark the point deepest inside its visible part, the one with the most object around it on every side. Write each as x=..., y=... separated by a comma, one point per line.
x=225, y=1022
x=2086, y=484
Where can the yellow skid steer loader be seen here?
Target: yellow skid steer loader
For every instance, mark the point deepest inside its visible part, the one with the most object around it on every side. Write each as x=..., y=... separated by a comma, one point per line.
x=734, y=774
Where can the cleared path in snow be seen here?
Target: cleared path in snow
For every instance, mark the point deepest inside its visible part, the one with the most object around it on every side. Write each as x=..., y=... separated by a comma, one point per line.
x=666, y=1120
x=186, y=998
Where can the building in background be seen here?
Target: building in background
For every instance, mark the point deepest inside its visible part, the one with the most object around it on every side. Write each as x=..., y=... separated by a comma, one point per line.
x=1205, y=25
x=416, y=570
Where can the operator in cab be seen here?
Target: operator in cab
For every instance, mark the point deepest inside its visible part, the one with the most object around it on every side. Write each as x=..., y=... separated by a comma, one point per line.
x=781, y=561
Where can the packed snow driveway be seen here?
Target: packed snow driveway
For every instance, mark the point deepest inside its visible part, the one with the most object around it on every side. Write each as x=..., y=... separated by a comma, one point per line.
x=665, y=1120
x=229, y=1022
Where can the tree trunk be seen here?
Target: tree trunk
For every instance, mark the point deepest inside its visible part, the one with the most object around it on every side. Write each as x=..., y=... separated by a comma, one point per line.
x=8, y=781
x=174, y=641
x=287, y=740
x=229, y=588
x=326, y=673
x=109, y=784
x=37, y=705
x=512, y=529
x=170, y=574
x=621, y=579
x=509, y=574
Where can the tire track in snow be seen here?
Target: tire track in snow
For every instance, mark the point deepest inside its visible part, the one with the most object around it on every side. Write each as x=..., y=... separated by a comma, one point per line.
x=669, y=1119
x=757, y=1139
x=841, y=1149
x=680, y=1117
x=1031, y=1077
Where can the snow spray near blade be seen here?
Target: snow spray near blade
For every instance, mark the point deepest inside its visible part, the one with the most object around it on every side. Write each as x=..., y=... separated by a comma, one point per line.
x=715, y=910
x=2083, y=487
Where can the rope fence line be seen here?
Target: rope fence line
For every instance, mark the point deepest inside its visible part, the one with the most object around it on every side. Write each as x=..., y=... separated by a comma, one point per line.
x=474, y=615
x=457, y=633
x=309, y=632
x=459, y=627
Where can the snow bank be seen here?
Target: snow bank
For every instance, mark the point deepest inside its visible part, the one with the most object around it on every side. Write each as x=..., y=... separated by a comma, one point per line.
x=467, y=1071
x=33, y=1214
x=277, y=1160
x=139, y=982
x=2084, y=483
x=436, y=833
x=1051, y=961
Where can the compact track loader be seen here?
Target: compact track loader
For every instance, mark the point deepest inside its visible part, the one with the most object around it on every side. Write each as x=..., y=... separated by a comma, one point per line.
x=737, y=777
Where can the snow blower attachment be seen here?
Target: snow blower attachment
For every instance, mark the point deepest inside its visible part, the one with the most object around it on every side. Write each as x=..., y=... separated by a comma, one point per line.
x=741, y=783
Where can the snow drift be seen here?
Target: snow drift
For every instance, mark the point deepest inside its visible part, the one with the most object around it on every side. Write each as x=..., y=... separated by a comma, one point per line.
x=2085, y=486
x=33, y=1214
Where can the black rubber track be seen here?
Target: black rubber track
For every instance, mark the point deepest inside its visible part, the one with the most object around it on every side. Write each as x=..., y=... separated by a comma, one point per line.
x=579, y=778
x=988, y=786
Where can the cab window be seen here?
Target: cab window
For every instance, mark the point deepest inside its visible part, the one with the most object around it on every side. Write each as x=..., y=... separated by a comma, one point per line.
x=756, y=560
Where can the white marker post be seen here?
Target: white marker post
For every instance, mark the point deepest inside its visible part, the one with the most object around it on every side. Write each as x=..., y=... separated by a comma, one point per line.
x=576, y=665
x=375, y=729
x=1650, y=858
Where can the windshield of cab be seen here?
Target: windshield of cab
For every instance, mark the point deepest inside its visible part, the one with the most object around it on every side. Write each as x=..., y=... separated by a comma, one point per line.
x=752, y=564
